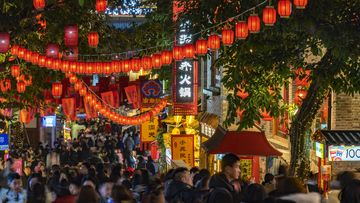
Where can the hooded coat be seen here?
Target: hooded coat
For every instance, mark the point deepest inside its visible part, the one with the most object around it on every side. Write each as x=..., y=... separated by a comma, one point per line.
x=179, y=191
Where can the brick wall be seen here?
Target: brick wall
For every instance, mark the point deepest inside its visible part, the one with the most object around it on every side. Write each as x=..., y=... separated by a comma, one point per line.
x=345, y=112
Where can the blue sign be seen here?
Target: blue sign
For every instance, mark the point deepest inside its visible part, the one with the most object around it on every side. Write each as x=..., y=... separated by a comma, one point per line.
x=4, y=141
x=49, y=121
x=151, y=89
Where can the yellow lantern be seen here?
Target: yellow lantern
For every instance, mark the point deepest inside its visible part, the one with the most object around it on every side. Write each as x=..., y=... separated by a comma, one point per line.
x=190, y=119
x=177, y=119
x=175, y=131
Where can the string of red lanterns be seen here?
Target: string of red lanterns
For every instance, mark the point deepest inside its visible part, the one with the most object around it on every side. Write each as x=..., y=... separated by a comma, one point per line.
x=157, y=60
x=103, y=108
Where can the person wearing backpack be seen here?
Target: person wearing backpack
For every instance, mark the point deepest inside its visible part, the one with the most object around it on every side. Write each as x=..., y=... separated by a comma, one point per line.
x=221, y=189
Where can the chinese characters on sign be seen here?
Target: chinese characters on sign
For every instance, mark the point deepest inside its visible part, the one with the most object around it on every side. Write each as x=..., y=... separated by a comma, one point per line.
x=185, y=81
x=182, y=148
x=149, y=129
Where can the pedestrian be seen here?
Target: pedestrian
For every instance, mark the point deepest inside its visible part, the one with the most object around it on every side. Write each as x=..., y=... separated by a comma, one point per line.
x=351, y=193
x=293, y=189
x=269, y=183
x=120, y=194
x=88, y=194
x=254, y=193
x=180, y=189
x=15, y=193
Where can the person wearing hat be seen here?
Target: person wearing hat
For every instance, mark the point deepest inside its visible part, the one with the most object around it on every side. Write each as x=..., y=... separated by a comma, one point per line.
x=15, y=193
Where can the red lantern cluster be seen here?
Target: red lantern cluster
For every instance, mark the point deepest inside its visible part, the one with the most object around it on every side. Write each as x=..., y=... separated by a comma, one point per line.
x=156, y=61
x=21, y=86
x=39, y=4
x=93, y=39
x=4, y=42
x=178, y=53
x=269, y=16
x=201, y=47
x=189, y=51
x=284, y=8
x=56, y=90
x=101, y=5
x=166, y=57
x=15, y=71
x=71, y=35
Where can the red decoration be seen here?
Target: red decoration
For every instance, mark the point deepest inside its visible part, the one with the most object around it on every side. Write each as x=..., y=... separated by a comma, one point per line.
x=284, y=8
x=93, y=39
x=71, y=35
x=302, y=77
x=242, y=94
x=15, y=71
x=27, y=56
x=5, y=85
x=300, y=4
x=101, y=5
x=166, y=57
x=4, y=42
x=39, y=4
x=227, y=37
x=156, y=60
x=126, y=65
x=28, y=81
x=135, y=64
x=178, y=53
x=34, y=58
x=269, y=16
x=241, y=30
x=72, y=79
x=201, y=47
x=266, y=115
x=20, y=86
x=146, y=62
x=300, y=94
x=254, y=23
x=57, y=89
x=189, y=51
x=14, y=49
x=214, y=42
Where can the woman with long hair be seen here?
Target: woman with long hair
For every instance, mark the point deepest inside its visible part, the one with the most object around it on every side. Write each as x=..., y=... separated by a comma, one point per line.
x=87, y=195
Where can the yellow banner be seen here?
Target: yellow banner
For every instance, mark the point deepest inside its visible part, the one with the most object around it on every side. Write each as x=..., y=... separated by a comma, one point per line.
x=149, y=130
x=182, y=148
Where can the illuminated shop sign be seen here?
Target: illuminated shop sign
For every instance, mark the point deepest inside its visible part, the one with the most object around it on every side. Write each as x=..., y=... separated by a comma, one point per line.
x=185, y=81
x=344, y=153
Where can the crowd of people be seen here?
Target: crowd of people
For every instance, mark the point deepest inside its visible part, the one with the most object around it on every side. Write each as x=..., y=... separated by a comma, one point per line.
x=100, y=168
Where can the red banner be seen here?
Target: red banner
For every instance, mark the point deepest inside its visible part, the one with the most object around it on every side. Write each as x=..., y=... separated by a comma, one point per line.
x=116, y=99
x=108, y=97
x=89, y=111
x=132, y=95
x=69, y=108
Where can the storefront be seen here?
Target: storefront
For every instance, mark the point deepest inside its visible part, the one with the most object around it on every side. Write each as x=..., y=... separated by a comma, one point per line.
x=248, y=145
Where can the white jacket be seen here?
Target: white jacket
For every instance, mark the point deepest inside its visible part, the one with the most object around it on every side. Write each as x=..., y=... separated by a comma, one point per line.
x=311, y=197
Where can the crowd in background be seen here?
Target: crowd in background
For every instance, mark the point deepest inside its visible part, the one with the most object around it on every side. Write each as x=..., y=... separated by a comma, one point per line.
x=105, y=168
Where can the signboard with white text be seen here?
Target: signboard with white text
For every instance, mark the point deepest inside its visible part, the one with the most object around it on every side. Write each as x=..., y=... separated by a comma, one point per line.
x=344, y=153
x=185, y=81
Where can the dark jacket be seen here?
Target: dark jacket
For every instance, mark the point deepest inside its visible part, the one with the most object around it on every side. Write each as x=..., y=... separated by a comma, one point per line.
x=221, y=190
x=179, y=191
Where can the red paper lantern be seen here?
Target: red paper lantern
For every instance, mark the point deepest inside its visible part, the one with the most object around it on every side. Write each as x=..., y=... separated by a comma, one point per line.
x=178, y=53
x=20, y=86
x=65, y=66
x=284, y=8
x=52, y=50
x=300, y=94
x=49, y=62
x=126, y=66
x=73, y=79
x=14, y=49
x=241, y=30
x=42, y=60
x=27, y=56
x=5, y=85
x=254, y=23
x=101, y=5
x=4, y=42
x=39, y=4
x=201, y=47
x=166, y=57
x=107, y=68
x=35, y=58
x=146, y=62
x=57, y=89
x=156, y=61
x=300, y=4
x=269, y=16
x=71, y=35
x=99, y=67
x=28, y=81
x=21, y=52
x=89, y=68
x=77, y=85
x=214, y=42
x=189, y=51
x=227, y=37
x=15, y=71
x=266, y=115
x=135, y=64
x=82, y=91
x=93, y=39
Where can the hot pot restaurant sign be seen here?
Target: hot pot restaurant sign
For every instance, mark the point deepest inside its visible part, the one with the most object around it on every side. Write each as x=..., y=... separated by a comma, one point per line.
x=344, y=153
x=185, y=81
x=182, y=148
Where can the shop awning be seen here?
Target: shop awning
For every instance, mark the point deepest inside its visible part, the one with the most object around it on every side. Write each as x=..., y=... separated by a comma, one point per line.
x=341, y=137
x=246, y=143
